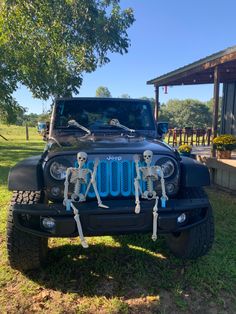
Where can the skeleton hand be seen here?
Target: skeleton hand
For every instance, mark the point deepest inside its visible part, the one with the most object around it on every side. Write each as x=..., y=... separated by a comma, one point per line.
x=82, y=197
x=136, y=158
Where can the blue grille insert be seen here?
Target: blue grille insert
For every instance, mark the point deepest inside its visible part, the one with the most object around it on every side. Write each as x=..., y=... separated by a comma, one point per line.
x=91, y=192
x=126, y=178
x=103, y=178
x=113, y=178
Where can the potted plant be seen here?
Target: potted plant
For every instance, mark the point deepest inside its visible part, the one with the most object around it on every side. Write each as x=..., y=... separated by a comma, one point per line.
x=185, y=150
x=224, y=144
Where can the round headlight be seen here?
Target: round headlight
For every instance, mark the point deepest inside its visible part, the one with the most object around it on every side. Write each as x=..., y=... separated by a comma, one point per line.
x=167, y=165
x=58, y=171
x=168, y=168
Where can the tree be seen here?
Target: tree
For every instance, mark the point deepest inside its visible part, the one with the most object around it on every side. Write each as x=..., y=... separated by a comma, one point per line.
x=103, y=91
x=125, y=96
x=10, y=110
x=184, y=113
x=48, y=45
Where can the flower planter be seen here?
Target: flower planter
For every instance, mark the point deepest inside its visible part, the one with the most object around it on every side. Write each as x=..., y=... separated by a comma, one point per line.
x=224, y=154
x=224, y=144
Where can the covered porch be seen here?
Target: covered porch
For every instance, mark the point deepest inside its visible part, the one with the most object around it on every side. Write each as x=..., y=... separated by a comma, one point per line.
x=214, y=69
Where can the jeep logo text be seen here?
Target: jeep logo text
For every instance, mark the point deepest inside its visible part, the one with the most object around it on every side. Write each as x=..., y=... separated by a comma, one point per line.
x=118, y=158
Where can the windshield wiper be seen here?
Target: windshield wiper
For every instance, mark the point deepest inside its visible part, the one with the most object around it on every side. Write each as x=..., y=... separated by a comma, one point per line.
x=76, y=124
x=115, y=122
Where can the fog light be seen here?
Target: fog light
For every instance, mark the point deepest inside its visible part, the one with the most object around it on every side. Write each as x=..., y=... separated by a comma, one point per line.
x=181, y=218
x=48, y=223
x=170, y=188
x=55, y=191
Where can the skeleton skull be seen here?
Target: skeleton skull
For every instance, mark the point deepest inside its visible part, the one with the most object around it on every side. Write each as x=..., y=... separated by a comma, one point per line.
x=147, y=156
x=81, y=158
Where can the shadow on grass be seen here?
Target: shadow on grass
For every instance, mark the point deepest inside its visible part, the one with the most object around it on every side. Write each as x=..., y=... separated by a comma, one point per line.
x=137, y=268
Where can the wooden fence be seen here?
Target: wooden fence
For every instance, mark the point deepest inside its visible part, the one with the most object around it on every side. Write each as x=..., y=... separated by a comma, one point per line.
x=198, y=137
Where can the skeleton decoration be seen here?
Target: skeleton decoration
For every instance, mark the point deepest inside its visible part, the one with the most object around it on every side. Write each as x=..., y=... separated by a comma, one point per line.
x=78, y=177
x=149, y=174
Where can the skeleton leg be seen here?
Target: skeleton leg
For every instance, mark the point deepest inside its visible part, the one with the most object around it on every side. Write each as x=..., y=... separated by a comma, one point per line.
x=79, y=227
x=155, y=216
x=100, y=204
x=137, y=188
x=94, y=183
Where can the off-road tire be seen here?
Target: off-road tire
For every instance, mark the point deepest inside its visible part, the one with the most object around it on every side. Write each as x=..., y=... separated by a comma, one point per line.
x=197, y=241
x=25, y=251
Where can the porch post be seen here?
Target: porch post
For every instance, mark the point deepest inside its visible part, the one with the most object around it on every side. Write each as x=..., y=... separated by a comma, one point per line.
x=156, y=102
x=215, y=106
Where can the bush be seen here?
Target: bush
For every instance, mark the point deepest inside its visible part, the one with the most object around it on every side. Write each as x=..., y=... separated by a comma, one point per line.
x=185, y=148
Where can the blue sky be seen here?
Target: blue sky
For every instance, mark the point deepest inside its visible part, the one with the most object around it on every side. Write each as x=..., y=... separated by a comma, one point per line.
x=166, y=35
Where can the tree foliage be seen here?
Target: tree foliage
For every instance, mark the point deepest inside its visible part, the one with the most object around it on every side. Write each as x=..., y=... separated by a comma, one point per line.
x=32, y=119
x=52, y=43
x=10, y=110
x=103, y=91
x=48, y=45
x=186, y=113
x=126, y=96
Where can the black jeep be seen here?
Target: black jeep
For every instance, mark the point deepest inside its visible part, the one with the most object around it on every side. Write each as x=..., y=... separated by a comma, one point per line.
x=115, y=132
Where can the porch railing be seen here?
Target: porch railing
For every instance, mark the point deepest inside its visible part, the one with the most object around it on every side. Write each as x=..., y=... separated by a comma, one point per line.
x=188, y=135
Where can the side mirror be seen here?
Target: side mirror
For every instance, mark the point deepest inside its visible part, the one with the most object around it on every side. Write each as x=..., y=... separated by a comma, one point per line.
x=162, y=128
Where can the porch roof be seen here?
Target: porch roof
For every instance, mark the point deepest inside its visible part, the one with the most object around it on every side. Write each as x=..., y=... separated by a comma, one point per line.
x=202, y=71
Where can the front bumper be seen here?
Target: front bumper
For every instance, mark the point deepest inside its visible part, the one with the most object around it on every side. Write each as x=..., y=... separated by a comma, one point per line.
x=119, y=218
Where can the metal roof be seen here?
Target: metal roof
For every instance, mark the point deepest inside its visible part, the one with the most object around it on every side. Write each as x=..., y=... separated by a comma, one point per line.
x=201, y=71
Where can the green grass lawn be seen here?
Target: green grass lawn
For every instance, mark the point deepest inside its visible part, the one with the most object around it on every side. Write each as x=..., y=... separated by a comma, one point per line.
x=126, y=274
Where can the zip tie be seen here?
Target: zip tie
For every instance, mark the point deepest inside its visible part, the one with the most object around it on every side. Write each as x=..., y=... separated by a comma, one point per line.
x=68, y=205
x=163, y=202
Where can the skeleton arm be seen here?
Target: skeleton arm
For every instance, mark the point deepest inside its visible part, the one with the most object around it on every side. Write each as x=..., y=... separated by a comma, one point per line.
x=164, y=197
x=137, y=186
x=136, y=160
x=92, y=175
x=68, y=173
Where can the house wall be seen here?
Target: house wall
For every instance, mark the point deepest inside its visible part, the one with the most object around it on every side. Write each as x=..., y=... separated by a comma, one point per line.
x=228, y=115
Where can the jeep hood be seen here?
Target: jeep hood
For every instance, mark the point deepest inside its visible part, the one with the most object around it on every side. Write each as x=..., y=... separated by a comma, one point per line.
x=113, y=144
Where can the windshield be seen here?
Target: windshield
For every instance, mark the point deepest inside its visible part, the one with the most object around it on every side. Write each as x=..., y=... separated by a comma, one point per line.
x=97, y=114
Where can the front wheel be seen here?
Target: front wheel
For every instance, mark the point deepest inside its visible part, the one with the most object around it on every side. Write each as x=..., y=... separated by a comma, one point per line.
x=194, y=242
x=25, y=251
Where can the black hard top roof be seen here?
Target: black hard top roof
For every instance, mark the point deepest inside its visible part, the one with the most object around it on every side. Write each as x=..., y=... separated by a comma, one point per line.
x=102, y=99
